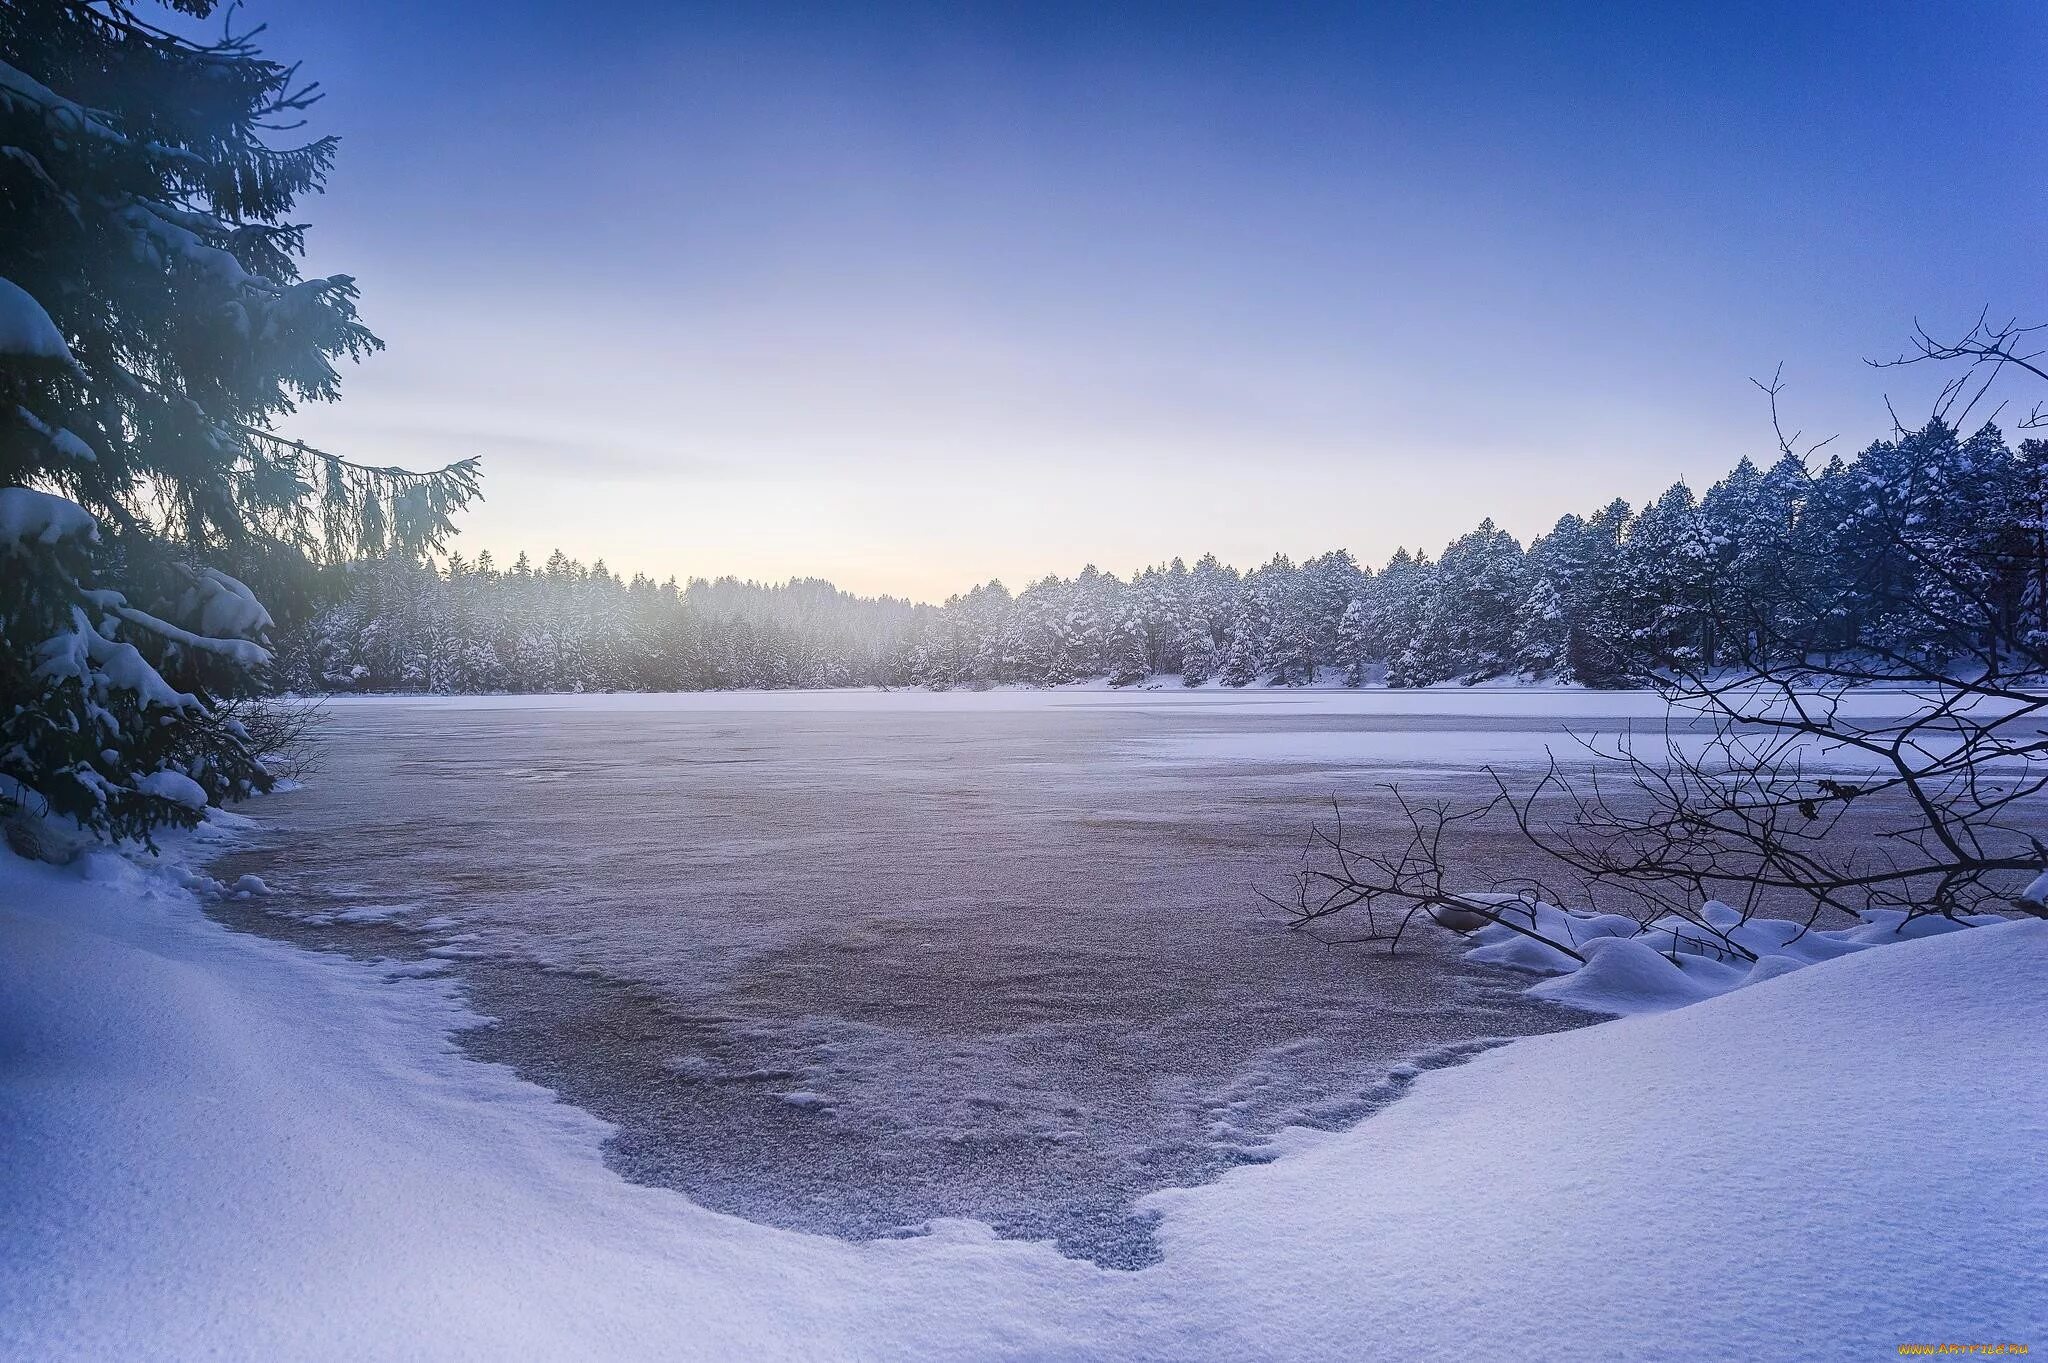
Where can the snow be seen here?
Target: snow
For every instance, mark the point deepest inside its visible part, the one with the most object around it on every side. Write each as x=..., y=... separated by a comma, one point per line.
x=174, y=786
x=26, y=329
x=374, y=913
x=217, y=1145
x=83, y=652
x=1627, y=975
x=30, y=517
x=1674, y=961
x=63, y=440
x=228, y=609
x=241, y=651
x=18, y=88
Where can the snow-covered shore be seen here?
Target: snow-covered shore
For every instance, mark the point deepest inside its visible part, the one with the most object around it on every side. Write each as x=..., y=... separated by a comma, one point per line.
x=217, y=1145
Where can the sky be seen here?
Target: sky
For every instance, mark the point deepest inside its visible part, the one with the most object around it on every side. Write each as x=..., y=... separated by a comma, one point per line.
x=910, y=296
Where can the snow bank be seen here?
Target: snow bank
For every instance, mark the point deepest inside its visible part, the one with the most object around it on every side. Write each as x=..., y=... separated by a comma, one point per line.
x=1846, y=1160
x=216, y=1145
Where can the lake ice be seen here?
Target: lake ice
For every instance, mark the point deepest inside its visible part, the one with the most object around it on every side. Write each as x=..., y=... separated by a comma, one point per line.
x=849, y=961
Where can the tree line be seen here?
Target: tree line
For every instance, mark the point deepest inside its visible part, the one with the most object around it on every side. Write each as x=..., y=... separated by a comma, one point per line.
x=1781, y=552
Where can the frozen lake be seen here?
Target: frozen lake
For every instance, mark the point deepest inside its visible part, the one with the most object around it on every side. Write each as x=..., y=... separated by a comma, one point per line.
x=849, y=961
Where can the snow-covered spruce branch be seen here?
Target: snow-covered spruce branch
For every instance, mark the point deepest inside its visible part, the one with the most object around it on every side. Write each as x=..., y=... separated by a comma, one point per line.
x=154, y=330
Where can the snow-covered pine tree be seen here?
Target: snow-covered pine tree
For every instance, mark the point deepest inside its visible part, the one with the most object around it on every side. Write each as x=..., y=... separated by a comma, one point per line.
x=1197, y=652
x=153, y=329
x=1597, y=647
x=2029, y=537
x=1166, y=609
x=1540, y=631
x=1553, y=565
x=1427, y=659
x=1249, y=629
x=1089, y=613
x=1291, y=642
x=1037, y=632
x=1126, y=652
x=1212, y=592
x=1354, y=652
x=1287, y=650
x=1394, y=600
x=1666, y=570
x=1766, y=568
x=1468, y=627
x=1918, y=552
x=1329, y=584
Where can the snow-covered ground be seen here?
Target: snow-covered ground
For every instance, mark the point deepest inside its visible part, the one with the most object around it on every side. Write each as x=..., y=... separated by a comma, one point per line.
x=220, y=1146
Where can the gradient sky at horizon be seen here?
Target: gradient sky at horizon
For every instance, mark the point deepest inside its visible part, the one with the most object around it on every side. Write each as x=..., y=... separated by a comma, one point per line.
x=909, y=296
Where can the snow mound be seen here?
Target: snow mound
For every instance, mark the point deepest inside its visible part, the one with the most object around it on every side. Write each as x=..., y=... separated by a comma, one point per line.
x=1510, y=943
x=1625, y=975
x=1629, y=968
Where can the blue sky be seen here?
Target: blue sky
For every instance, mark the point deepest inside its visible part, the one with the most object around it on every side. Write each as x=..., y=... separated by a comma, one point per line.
x=909, y=296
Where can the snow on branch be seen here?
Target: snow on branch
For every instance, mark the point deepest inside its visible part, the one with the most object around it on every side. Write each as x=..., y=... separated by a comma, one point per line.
x=28, y=517
x=26, y=331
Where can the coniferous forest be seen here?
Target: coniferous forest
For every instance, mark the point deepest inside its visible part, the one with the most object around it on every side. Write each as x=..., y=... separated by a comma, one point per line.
x=1783, y=552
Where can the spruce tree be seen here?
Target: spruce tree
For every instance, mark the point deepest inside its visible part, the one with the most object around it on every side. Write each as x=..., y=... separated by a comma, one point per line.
x=154, y=328
x=1540, y=632
x=1555, y=563
x=1666, y=570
